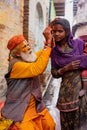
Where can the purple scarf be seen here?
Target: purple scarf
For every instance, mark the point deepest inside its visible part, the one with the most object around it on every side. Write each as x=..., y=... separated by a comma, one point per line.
x=60, y=59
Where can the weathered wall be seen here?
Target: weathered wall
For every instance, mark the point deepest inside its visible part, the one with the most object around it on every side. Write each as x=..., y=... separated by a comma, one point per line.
x=81, y=17
x=37, y=15
x=38, y=20
x=21, y=17
x=11, y=22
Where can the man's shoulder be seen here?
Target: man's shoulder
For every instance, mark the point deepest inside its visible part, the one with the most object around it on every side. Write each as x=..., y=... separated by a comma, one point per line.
x=12, y=62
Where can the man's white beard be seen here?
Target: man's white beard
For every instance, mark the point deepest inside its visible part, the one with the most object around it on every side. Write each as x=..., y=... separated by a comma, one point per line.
x=28, y=57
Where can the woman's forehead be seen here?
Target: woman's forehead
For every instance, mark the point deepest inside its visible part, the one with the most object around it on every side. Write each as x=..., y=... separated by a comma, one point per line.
x=57, y=26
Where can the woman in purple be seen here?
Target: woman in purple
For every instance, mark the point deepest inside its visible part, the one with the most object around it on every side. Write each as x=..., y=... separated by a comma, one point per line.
x=67, y=62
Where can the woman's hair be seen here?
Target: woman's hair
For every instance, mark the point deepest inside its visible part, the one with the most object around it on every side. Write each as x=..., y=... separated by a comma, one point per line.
x=62, y=21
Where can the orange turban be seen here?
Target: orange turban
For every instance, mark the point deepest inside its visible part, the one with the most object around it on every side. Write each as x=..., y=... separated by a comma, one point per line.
x=14, y=41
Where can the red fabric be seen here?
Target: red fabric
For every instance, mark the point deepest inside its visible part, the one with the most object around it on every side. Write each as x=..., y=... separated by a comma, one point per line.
x=1, y=105
x=83, y=37
x=85, y=50
x=84, y=73
x=13, y=127
x=14, y=41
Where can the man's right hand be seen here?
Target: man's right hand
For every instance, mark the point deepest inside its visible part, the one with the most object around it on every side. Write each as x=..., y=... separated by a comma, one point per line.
x=48, y=35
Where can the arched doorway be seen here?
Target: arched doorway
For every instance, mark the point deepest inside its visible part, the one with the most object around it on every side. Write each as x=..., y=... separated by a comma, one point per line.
x=38, y=27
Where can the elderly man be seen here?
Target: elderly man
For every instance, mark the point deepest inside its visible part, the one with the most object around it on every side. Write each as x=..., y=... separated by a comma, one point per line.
x=24, y=104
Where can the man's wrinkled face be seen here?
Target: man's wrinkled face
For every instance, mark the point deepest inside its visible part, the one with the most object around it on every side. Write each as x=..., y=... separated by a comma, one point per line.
x=26, y=52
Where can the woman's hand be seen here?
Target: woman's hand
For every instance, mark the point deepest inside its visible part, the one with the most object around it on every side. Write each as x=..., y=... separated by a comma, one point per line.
x=73, y=65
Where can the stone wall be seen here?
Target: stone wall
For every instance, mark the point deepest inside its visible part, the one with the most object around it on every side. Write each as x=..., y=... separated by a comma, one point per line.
x=11, y=23
x=37, y=12
x=18, y=17
x=80, y=19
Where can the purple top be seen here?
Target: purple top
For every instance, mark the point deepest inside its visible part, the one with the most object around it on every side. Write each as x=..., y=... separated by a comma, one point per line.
x=60, y=59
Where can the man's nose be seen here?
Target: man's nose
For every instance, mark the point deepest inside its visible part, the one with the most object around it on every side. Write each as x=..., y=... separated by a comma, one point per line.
x=57, y=33
x=28, y=47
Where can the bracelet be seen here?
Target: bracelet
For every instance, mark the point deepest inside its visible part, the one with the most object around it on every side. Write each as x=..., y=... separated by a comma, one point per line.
x=48, y=44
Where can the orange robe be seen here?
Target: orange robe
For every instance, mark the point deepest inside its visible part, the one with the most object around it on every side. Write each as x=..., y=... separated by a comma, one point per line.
x=36, y=121
x=33, y=120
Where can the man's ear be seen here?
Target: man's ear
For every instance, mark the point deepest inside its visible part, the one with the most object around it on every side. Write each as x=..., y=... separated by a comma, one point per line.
x=18, y=54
